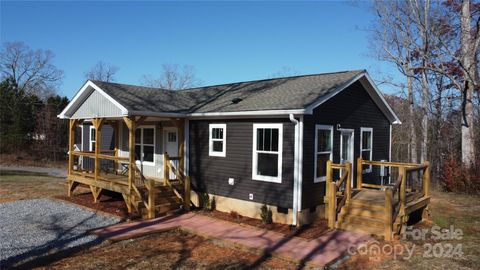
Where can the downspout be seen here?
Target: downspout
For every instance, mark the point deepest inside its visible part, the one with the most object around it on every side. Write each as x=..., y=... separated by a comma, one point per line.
x=295, y=171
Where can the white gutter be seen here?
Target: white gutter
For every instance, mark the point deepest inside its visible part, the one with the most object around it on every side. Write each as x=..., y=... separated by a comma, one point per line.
x=295, y=170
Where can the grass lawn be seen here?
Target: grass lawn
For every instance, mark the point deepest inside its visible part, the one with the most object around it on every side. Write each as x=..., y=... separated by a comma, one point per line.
x=17, y=185
x=461, y=211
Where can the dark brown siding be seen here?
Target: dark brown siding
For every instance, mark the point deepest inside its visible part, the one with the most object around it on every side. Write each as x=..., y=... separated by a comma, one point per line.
x=352, y=108
x=211, y=174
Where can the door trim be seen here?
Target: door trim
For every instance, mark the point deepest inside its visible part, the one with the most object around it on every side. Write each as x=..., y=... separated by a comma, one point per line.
x=351, y=150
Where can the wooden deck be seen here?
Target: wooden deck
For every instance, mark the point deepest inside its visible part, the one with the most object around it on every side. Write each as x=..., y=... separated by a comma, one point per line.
x=147, y=196
x=375, y=209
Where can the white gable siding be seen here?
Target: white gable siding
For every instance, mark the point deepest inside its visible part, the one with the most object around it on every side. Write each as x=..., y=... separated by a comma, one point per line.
x=96, y=105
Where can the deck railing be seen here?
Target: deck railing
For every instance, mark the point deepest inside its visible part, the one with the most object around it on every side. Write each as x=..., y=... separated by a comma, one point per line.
x=395, y=195
x=341, y=187
x=184, y=181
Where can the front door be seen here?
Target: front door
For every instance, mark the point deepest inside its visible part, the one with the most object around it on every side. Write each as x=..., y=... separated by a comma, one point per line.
x=346, y=148
x=170, y=145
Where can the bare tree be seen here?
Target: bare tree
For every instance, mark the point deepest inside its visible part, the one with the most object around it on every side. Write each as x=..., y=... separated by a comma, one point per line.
x=173, y=77
x=32, y=70
x=393, y=41
x=285, y=71
x=102, y=72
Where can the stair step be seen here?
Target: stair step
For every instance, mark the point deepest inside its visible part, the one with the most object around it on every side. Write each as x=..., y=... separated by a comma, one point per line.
x=166, y=207
x=359, y=228
x=360, y=220
x=363, y=212
x=365, y=205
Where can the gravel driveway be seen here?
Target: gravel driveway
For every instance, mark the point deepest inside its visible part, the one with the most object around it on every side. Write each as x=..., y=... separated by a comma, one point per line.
x=30, y=229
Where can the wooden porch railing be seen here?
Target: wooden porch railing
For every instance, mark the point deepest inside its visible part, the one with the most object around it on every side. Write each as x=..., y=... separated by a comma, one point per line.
x=179, y=176
x=340, y=187
x=395, y=195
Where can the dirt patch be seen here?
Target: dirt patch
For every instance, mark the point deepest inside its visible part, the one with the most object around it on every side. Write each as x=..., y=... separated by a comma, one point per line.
x=169, y=250
x=309, y=232
x=109, y=202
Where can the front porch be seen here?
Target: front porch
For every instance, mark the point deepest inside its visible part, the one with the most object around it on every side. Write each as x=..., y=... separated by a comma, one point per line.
x=123, y=172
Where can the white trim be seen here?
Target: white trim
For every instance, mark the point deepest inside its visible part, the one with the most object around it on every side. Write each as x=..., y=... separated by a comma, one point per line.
x=211, y=140
x=300, y=164
x=244, y=113
x=90, y=148
x=317, y=179
x=324, y=98
x=362, y=129
x=377, y=91
x=140, y=161
x=351, y=146
x=255, y=176
x=81, y=94
x=390, y=156
x=295, y=169
x=186, y=137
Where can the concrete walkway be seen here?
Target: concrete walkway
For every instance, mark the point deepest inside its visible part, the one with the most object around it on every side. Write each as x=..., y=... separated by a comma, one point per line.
x=319, y=252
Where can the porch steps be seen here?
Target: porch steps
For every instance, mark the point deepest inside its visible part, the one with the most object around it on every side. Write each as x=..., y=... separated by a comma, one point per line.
x=165, y=200
x=360, y=216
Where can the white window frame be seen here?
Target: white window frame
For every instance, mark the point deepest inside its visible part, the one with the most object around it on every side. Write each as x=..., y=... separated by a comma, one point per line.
x=318, y=179
x=255, y=176
x=368, y=168
x=211, y=152
x=90, y=148
x=148, y=163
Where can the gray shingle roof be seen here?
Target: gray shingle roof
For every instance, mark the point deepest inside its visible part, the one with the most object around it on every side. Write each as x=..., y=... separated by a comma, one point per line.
x=273, y=94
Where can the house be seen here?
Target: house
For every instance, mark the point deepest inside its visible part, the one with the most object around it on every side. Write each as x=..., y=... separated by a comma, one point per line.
x=246, y=143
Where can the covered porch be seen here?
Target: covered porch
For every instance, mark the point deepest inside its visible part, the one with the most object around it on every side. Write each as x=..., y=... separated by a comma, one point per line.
x=123, y=171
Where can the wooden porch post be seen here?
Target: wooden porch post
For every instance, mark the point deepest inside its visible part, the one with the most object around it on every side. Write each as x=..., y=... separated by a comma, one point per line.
x=328, y=179
x=131, y=124
x=97, y=124
x=71, y=142
x=359, y=173
x=116, y=128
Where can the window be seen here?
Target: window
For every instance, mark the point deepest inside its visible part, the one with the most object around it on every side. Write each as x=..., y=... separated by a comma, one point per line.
x=92, y=138
x=366, y=144
x=267, y=152
x=216, y=142
x=172, y=136
x=145, y=144
x=323, y=150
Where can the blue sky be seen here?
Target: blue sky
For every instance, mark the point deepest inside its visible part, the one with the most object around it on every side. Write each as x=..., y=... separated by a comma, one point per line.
x=224, y=41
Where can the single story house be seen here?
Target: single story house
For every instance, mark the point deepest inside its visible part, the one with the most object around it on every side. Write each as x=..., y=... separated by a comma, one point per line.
x=247, y=143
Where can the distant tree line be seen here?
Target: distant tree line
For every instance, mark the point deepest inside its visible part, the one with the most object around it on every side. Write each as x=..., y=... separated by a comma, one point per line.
x=29, y=105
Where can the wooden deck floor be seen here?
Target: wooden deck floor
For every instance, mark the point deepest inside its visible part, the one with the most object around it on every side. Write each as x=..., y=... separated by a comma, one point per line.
x=377, y=197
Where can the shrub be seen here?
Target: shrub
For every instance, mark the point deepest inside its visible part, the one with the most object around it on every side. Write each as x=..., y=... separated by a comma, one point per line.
x=213, y=204
x=266, y=214
x=458, y=178
x=205, y=200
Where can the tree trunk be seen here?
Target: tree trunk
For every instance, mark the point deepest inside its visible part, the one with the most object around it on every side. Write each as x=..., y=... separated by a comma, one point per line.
x=425, y=102
x=468, y=62
x=411, y=110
